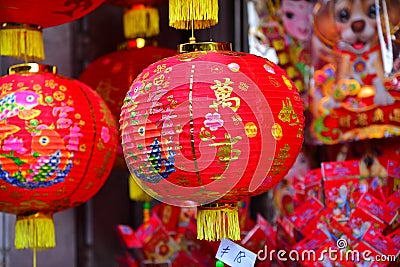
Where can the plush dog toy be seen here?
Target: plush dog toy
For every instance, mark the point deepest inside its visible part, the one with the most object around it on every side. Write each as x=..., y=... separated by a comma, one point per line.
x=354, y=31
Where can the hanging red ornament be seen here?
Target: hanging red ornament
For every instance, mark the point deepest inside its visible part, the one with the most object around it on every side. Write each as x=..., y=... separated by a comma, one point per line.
x=211, y=126
x=112, y=74
x=22, y=23
x=58, y=145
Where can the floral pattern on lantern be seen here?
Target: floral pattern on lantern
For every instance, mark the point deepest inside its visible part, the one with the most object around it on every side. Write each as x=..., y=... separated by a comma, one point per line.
x=58, y=142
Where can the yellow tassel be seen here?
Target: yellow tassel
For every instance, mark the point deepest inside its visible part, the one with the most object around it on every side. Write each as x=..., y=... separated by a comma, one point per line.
x=22, y=41
x=141, y=22
x=136, y=193
x=217, y=221
x=201, y=13
x=35, y=231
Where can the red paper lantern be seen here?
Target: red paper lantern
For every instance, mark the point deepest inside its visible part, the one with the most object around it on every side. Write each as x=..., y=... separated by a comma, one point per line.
x=58, y=144
x=23, y=20
x=211, y=127
x=111, y=75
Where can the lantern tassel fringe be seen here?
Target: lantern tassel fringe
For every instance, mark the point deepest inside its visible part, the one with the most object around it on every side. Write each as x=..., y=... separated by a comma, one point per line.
x=136, y=193
x=34, y=231
x=22, y=43
x=215, y=223
x=202, y=13
x=141, y=22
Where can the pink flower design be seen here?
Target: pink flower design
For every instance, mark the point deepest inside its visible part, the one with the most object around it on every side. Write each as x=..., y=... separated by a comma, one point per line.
x=105, y=134
x=213, y=121
x=14, y=144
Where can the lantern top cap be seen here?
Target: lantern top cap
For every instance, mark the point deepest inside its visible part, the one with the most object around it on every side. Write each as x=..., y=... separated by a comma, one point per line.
x=204, y=46
x=12, y=25
x=31, y=68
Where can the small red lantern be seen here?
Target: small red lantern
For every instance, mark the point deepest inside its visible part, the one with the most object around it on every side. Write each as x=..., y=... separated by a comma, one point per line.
x=211, y=126
x=111, y=75
x=22, y=23
x=58, y=145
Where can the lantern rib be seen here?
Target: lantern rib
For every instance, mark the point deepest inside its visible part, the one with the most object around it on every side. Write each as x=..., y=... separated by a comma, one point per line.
x=93, y=141
x=196, y=166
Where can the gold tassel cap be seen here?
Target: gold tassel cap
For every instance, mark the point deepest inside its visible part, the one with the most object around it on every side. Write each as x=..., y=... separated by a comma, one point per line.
x=35, y=231
x=136, y=193
x=141, y=21
x=22, y=41
x=216, y=221
x=204, y=46
x=32, y=68
x=199, y=14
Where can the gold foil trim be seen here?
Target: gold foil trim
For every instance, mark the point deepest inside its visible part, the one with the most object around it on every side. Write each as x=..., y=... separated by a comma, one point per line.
x=216, y=205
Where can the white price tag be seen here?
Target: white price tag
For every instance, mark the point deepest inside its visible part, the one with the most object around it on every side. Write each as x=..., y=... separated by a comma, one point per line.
x=235, y=255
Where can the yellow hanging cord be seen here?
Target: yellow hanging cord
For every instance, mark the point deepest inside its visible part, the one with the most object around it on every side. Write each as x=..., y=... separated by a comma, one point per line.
x=34, y=257
x=192, y=39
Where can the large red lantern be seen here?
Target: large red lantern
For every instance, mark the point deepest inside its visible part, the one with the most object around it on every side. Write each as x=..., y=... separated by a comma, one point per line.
x=22, y=22
x=58, y=145
x=211, y=126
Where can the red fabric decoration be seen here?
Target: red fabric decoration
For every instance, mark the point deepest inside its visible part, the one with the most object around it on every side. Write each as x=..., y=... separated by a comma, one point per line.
x=58, y=143
x=111, y=75
x=211, y=127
